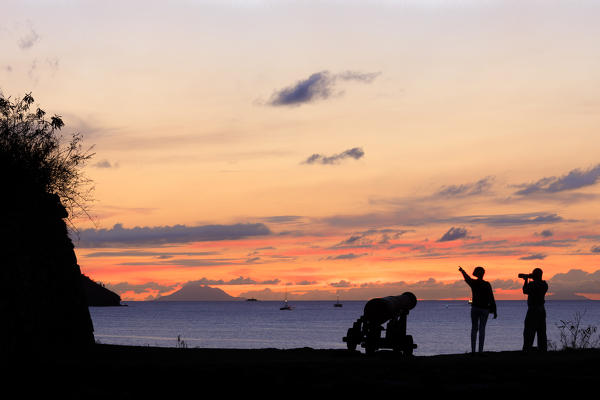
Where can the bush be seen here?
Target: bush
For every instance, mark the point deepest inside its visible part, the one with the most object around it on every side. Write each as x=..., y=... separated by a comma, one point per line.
x=573, y=335
x=40, y=159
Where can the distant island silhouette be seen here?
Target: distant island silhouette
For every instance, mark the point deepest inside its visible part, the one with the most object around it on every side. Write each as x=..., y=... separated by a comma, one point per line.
x=198, y=292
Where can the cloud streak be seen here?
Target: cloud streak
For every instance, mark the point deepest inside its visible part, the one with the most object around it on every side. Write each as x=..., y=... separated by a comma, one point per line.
x=318, y=86
x=575, y=179
x=421, y=216
x=283, y=219
x=119, y=236
x=233, y=282
x=348, y=256
x=468, y=189
x=28, y=40
x=187, y=262
x=453, y=234
x=545, y=233
x=354, y=153
x=123, y=287
x=536, y=256
x=562, y=285
x=155, y=254
x=105, y=164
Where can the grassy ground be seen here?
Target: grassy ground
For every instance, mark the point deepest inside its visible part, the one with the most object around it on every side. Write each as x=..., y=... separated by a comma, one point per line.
x=124, y=372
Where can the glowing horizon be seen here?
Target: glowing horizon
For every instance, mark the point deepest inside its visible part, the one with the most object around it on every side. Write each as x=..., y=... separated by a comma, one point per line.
x=320, y=147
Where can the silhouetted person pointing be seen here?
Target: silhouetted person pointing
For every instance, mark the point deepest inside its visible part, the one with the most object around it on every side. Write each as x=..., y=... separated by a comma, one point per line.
x=535, y=320
x=482, y=306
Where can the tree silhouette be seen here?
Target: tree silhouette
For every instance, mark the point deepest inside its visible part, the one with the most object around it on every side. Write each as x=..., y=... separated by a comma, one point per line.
x=42, y=301
x=39, y=158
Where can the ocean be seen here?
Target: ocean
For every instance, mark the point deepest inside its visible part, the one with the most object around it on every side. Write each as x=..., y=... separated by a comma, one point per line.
x=437, y=327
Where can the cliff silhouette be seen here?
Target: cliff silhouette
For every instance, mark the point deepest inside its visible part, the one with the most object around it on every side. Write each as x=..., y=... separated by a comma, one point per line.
x=99, y=296
x=42, y=300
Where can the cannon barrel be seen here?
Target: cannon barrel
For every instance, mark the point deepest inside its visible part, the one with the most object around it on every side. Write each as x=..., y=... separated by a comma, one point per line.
x=381, y=309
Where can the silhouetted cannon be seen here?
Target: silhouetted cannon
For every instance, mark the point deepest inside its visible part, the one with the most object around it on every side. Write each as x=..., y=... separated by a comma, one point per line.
x=366, y=331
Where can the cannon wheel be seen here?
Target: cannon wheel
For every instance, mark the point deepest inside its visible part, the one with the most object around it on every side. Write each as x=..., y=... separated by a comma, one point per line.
x=370, y=349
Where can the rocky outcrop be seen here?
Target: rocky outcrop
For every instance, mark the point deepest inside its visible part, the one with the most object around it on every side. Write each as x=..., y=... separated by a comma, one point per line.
x=99, y=296
x=42, y=300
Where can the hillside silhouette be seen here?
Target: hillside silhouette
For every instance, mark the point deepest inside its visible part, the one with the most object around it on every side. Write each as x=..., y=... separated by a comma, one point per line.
x=99, y=296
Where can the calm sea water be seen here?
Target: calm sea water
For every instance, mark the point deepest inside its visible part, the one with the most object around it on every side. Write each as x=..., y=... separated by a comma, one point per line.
x=438, y=327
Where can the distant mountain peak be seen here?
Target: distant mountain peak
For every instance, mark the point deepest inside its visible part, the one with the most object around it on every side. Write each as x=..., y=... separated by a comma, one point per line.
x=198, y=292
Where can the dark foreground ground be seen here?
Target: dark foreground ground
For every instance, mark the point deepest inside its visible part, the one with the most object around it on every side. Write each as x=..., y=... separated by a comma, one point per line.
x=121, y=372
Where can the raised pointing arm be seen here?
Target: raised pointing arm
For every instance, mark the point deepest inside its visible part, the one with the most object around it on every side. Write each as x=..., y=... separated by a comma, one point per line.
x=465, y=275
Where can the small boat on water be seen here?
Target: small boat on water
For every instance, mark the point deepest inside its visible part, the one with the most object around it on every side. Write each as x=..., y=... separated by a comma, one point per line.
x=252, y=299
x=337, y=303
x=286, y=306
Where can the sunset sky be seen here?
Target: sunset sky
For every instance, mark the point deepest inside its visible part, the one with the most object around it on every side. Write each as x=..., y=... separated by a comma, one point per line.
x=318, y=147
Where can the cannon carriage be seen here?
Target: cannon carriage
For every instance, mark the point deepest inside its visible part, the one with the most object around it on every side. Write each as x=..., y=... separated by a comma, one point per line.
x=367, y=329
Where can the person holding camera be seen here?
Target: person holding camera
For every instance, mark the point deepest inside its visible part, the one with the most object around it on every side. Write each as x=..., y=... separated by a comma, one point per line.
x=535, y=320
x=482, y=306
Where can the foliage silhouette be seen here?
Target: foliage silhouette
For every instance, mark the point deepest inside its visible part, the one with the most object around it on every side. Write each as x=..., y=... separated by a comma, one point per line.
x=40, y=159
x=574, y=335
x=42, y=302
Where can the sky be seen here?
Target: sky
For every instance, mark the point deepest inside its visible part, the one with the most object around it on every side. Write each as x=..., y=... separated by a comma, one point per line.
x=323, y=148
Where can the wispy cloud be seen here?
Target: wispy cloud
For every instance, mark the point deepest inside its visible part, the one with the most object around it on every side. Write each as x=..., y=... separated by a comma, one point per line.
x=418, y=216
x=53, y=64
x=536, y=256
x=548, y=243
x=348, y=256
x=123, y=287
x=341, y=284
x=155, y=254
x=29, y=39
x=187, y=262
x=575, y=179
x=562, y=285
x=305, y=283
x=453, y=234
x=468, y=189
x=119, y=236
x=511, y=219
x=371, y=238
x=236, y=281
x=355, y=153
x=103, y=164
x=545, y=233
x=283, y=219
x=318, y=86
x=32, y=72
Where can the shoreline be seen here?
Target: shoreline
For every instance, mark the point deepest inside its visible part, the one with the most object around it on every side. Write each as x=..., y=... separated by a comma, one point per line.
x=115, y=371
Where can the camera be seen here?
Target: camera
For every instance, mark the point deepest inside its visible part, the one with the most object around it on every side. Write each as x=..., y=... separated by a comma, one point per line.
x=525, y=276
